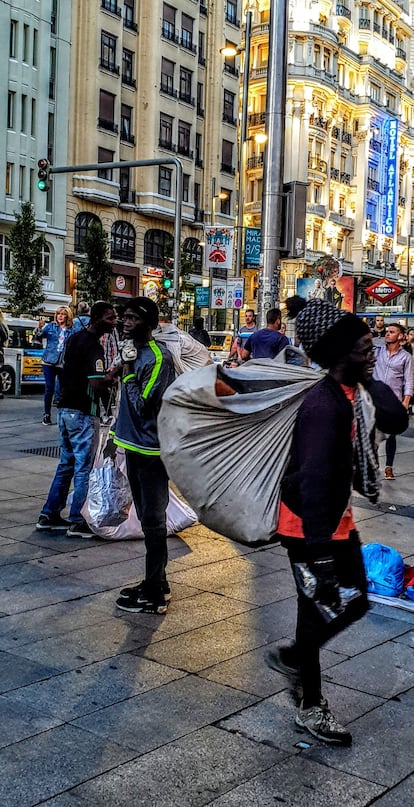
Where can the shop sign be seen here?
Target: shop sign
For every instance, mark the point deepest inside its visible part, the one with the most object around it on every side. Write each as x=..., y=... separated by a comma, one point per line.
x=383, y=290
x=252, y=246
x=120, y=282
x=202, y=296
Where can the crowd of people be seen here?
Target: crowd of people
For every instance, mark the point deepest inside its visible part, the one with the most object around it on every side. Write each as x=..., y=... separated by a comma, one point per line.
x=366, y=388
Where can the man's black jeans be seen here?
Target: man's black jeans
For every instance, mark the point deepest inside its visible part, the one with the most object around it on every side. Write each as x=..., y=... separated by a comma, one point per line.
x=311, y=630
x=149, y=486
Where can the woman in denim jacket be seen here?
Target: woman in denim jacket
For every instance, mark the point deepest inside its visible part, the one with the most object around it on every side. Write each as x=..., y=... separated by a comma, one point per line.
x=56, y=333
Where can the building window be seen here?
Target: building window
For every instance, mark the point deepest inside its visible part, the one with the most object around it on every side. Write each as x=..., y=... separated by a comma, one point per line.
x=108, y=52
x=45, y=260
x=126, y=196
x=52, y=73
x=13, y=39
x=23, y=125
x=129, y=15
x=128, y=67
x=164, y=181
x=112, y=6
x=375, y=92
x=167, y=76
x=168, y=22
x=11, y=109
x=230, y=62
x=390, y=101
x=166, y=127
x=228, y=107
x=200, y=101
x=184, y=134
x=4, y=253
x=82, y=223
x=105, y=156
x=22, y=178
x=35, y=44
x=187, y=24
x=197, y=195
x=126, y=124
x=231, y=12
x=26, y=43
x=158, y=245
x=186, y=187
x=9, y=179
x=198, y=150
x=227, y=157
x=201, y=41
x=194, y=253
x=123, y=242
x=225, y=203
x=106, y=119
x=186, y=78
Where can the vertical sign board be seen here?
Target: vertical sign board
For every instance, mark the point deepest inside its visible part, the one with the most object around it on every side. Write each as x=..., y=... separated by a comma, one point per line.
x=390, y=136
x=219, y=247
x=234, y=293
x=252, y=246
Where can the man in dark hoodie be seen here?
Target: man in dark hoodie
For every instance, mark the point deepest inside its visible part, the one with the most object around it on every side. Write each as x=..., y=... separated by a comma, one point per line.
x=148, y=370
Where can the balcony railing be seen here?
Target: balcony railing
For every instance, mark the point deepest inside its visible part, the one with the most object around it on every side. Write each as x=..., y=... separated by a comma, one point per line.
x=345, y=178
x=126, y=79
x=201, y=60
x=375, y=145
x=203, y=10
x=187, y=42
x=169, y=32
x=315, y=164
x=200, y=111
x=401, y=201
x=334, y=173
x=168, y=89
x=377, y=28
x=187, y=98
x=319, y=122
x=347, y=138
x=257, y=119
x=317, y=210
x=230, y=68
x=343, y=11
x=126, y=196
x=110, y=66
x=336, y=133
x=401, y=54
x=198, y=161
x=255, y=162
x=364, y=24
x=130, y=24
x=109, y=125
x=373, y=185
x=166, y=144
x=185, y=151
x=344, y=221
x=127, y=137
x=227, y=169
x=229, y=118
x=198, y=214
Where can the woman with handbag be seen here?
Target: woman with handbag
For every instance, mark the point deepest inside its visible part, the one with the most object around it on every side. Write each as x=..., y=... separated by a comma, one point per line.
x=4, y=337
x=56, y=333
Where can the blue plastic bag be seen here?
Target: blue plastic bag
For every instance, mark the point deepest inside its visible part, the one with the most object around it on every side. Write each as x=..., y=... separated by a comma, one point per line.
x=384, y=568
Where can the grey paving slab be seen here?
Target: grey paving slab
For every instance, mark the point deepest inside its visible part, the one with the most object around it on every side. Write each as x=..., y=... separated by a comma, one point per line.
x=392, y=613
x=33, y=571
x=194, y=612
x=263, y=590
x=21, y=720
x=189, y=772
x=45, y=592
x=206, y=552
x=16, y=672
x=113, y=574
x=43, y=766
x=382, y=746
x=296, y=782
x=106, y=600
x=65, y=800
x=371, y=631
x=215, y=576
x=12, y=551
x=52, y=620
x=86, y=645
x=392, y=530
x=401, y=794
x=92, y=557
x=4, y=540
x=272, y=720
x=406, y=638
x=180, y=707
x=87, y=689
x=277, y=620
x=386, y=670
x=205, y=646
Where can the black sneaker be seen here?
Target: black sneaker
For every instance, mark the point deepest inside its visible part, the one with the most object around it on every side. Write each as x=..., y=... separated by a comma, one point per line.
x=142, y=605
x=139, y=590
x=46, y=420
x=53, y=522
x=80, y=529
x=321, y=723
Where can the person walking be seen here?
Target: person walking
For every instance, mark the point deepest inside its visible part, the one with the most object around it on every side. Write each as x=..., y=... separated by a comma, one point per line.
x=394, y=366
x=4, y=337
x=379, y=330
x=245, y=331
x=199, y=333
x=267, y=342
x=56, y=333
x=333, y=426
x=147, y=372
x=83, y=377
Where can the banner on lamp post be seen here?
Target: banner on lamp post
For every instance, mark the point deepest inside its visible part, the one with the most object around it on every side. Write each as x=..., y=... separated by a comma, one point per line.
x=219, y=242
x=235, y=293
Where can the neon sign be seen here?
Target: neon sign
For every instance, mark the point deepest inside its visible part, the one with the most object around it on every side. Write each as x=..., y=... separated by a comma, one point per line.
x=390, y=177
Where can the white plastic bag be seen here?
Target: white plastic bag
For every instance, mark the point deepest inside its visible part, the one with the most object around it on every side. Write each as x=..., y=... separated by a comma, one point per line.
x=179, y=517
x=227, y=455
x=109, y=495
x=187, y=353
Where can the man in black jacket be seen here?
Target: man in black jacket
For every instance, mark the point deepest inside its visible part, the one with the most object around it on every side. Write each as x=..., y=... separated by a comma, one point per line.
x=332, y=451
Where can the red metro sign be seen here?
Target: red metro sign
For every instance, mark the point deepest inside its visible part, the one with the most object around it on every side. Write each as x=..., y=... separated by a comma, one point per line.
x=383, y=290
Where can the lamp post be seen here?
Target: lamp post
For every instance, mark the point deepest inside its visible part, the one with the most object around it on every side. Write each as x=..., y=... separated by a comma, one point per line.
x=214, y=195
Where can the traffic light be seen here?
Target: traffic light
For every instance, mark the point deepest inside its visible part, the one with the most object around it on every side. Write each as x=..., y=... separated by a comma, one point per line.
x=166, y=282
x=43, y=172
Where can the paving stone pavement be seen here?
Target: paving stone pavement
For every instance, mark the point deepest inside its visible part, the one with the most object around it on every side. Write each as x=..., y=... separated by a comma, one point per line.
x=104, y=709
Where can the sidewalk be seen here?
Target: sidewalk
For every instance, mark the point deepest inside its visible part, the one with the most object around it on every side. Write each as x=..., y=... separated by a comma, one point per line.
x=103, y=709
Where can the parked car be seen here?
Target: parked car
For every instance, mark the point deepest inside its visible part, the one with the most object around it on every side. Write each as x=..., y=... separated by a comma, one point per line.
x=221, y=342
x=22, y=343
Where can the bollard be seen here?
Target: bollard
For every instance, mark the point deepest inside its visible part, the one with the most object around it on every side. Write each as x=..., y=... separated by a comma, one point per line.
x=18, y=379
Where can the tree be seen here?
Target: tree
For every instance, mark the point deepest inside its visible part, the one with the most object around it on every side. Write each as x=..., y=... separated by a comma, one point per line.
x=24, y=276
x=94, y=274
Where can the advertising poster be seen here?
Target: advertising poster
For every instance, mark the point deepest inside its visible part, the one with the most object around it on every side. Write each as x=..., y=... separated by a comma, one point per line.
x=235, y=289
x=338, y=290
x=252, y=246
x=219, y=247
x=218, y=296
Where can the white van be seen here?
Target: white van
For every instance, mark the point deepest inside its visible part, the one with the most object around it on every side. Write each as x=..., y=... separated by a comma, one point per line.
x=22, y=342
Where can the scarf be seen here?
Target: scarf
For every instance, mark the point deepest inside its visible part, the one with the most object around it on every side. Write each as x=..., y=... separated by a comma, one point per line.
x=366, y=472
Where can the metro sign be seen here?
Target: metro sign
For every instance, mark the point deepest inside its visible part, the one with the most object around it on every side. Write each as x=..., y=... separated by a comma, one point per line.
x=383, y=290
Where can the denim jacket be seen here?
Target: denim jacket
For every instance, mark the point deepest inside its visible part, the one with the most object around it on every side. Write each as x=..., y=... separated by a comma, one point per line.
x=52, y=332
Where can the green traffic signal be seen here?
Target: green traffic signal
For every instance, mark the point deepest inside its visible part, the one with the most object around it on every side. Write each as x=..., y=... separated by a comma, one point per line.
x=167, y=283
x=42, y=185
x=43, y=175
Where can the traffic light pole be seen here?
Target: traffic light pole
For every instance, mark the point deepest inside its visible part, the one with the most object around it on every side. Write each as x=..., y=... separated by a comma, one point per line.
x=70, y=169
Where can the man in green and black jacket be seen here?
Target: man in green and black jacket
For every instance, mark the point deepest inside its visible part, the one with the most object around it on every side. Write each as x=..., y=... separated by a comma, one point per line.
x=147, y=372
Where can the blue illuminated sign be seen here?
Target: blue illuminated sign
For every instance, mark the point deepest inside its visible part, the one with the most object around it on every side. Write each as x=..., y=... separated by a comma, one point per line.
x=252, y=241
x=390, y=137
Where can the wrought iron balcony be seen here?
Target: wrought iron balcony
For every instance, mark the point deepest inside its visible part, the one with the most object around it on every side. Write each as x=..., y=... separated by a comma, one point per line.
x=345, y=178
x=364, y=24
x=109, y=125
x=318, y=121
x=255, y=162
x=343, y=11
x=373, y=185
x=316, y=164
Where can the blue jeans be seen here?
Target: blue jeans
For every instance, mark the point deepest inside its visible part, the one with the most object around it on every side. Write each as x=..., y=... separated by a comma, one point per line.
x=79, y=435
x=51, y=374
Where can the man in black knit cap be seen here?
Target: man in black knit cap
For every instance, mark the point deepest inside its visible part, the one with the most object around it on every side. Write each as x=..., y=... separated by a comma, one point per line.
x=332, y=452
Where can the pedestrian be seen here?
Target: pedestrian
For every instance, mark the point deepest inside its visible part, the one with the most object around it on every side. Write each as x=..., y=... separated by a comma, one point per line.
x=267, y=342
x=56, y=333
x=147, y=372
x=243, y=335
x=394, y=366
x=199, y=333
x=83, y=315
x=82, y=378
x=334, y=424
x=378, y=331
x=4, y=338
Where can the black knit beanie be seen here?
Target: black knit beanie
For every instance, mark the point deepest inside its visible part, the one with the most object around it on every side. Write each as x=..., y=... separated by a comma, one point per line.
x=147, y=310
x=326, y=333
